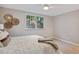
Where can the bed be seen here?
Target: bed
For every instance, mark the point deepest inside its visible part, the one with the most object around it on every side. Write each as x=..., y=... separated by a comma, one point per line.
x=27, y=45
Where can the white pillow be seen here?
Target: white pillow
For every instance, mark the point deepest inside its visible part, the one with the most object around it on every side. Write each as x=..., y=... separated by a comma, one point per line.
x=1, y=26
x=3, y=34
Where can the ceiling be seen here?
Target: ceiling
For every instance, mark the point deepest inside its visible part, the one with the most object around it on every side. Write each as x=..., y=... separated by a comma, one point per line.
x=54, y=9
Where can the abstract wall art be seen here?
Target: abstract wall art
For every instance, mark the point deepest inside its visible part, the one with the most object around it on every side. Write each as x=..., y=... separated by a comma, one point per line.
x=34, y=21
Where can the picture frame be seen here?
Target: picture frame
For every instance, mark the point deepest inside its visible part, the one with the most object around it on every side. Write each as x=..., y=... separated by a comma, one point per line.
x=34, y=21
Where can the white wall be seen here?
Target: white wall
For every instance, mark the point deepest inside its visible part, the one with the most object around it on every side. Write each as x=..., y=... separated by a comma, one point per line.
x=21, y=28
x=66, y=26
x=1, y=21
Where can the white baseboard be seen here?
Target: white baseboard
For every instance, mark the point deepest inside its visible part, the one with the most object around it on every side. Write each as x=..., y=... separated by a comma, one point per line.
x=69, y=42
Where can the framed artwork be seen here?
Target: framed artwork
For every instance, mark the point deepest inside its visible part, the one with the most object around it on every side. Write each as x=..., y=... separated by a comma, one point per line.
x=34, y=21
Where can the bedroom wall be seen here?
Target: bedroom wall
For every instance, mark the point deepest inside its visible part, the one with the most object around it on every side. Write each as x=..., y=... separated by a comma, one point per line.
x=21, y=29
x=1, y=21
x=66, y=26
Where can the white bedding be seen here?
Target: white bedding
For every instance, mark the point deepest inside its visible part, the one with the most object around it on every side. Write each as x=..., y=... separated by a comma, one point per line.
x=3, y=34
x=26, y=45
